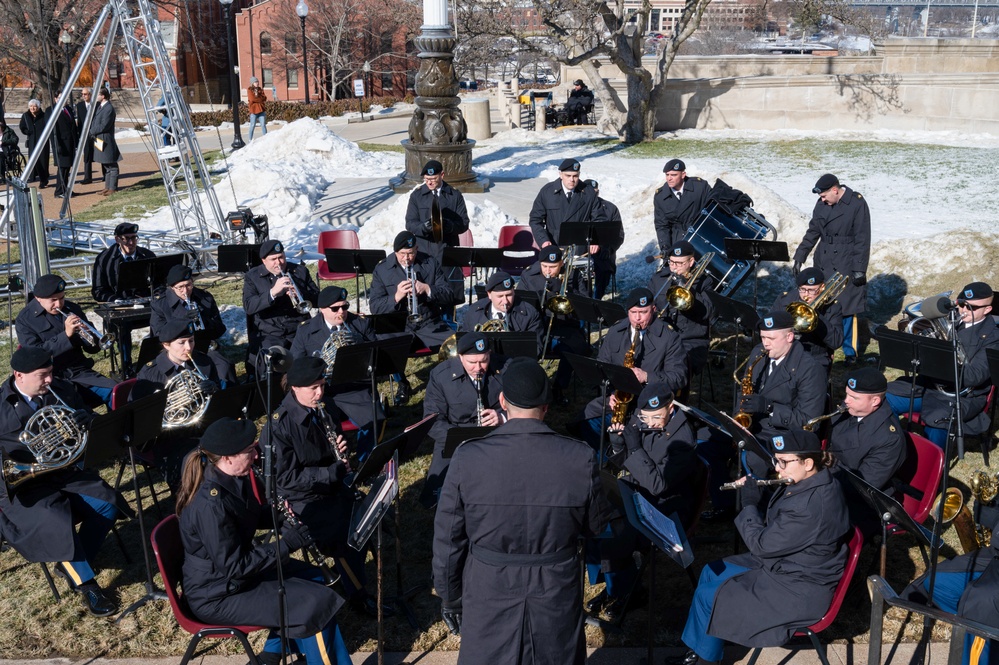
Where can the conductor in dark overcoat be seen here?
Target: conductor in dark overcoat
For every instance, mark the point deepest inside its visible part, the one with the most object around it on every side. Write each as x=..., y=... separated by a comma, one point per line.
x=797, y=554
x=828, y=334
x=506, y=536
x=692, y=324
x=841, y=225
x=678, y=203
x=567, y=199
x=37, y=517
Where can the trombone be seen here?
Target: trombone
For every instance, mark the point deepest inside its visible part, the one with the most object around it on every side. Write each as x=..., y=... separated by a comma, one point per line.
x=806, y=317
x=682, y=297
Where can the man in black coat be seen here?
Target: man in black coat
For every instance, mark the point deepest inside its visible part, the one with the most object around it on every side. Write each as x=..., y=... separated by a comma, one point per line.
x=935, y=401
x=580, y=102
x=463, y=392
x=271, y=317
x=183, y=300
x=63, y=142
x=605, y=258
x=657, y=451
x=454, y=216
x=514, y=505
x=694, y=323
x=502, y=305
x=105, y=146
x=32, y=125
x=82, y=108
x=354, y=398
x=37, y=518
x=842, y=222
x=678, y=203
x=658, y=356
x=827, y=336
x=566, y=200
x=545, y=278
x=55, y=324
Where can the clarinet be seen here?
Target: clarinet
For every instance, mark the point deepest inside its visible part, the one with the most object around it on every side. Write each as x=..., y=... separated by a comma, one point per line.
x=311, y=551
x=478, y=401
x=340, y=457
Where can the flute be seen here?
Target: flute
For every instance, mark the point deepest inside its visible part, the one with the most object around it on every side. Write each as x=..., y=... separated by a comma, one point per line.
x=761, y=482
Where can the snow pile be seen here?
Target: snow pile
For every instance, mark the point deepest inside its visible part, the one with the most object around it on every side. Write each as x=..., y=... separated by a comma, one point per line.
x=129, y=133
x=485, y=221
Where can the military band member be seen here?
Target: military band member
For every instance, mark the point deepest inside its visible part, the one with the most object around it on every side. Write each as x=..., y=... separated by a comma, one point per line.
x=228, y=577
x=455, y=391
x=54, y=323
x=37, y=518
x=513, y=507
x=502, y=305
x=797, y=554
x=678, y=203
x=183, y=300
x=178, y=354
x=310, y=458
x=605, y=258
x=693, y=324
x=545, y=278
x=354, y=398
x=657, y=450
x=565, y=200
x=658, y=356
x=935, y=401
x=271, y=317
x=828, y=334
x=841, y=224
x=392, y=291
x=454, y=216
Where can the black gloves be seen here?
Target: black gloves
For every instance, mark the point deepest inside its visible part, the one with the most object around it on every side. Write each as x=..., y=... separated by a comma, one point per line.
x=296, y=537
x=858, y=278
x=451, y=613
x=796, y=268
x=750, y=493
x=616, y=442
x=337, y=471
x=632, y=441
x=208, y=387
x=754, y=403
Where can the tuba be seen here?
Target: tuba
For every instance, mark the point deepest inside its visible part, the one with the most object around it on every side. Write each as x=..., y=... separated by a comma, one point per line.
x=682, y=297
x=336, y=340
x=954, y=511
x=806, y=317
x=186, y=400
x=56, y=437
x=746, y=384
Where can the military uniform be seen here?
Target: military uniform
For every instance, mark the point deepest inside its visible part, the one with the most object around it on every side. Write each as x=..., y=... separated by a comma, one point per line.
x=274, y=321
x=552, y=208
x=168, y=305
x=381, y=296
x=605, y=261
x=673, y=216
x=161, y=369
x=522, y=317
x=872, y=447
x=828, y=334
x=795, y=390
x=105, y=287
x=454, y=218
x=694, y=324
x=513, y=507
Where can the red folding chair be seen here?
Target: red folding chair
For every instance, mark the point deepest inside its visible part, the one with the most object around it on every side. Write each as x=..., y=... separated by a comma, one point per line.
x=170, y=559
x=516, y=238
x=337, y=239
x=856, y=543
x=466, y=240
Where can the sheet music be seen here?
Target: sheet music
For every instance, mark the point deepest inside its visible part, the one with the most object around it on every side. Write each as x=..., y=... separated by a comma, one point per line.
x=658, y=523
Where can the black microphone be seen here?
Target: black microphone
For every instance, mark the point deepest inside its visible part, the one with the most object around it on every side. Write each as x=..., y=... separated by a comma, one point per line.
x=279, y=358
x=937, y=307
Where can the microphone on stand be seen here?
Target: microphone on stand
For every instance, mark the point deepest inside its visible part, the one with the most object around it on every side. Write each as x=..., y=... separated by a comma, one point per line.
x=279, y=358
x=937, y=307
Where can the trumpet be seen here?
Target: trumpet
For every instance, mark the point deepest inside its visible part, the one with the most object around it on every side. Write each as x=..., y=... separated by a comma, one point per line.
x=682, y=297
x=194, y=313
x=413, y=301
x=810, y=425
x=297, y=301
x=89, y=334
x=806, y=317
x=760, y=482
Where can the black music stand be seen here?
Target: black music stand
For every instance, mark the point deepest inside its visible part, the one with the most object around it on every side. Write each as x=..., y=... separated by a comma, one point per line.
x=530, y=297
x=238, y=258
x=472, y=257
x=512, y=344
x=739, y=249
x=369, y=360
x=135, y=424
x=146, y=273
x=605, y=375
x=743, y=316
x=455, y=437
x=663, y=533
x=601, y=312
x=357, y=261
x=589, y=233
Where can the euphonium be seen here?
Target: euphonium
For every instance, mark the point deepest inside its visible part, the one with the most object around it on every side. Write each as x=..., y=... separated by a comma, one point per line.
x=55, y=436
x=186, y=400
x=89, y=334
x=337, y=340
x=956, y=512
x=985, y=486
x=682, y=297
x=623, y=398
x=297, y=301
x=746, y=384
x=806, y=317
x=810, y=425
x=449, y=349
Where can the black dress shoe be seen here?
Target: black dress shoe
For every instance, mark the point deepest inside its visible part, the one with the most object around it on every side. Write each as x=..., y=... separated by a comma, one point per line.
x=402, y=393
x=595, y=604
x=365, y=604
x=97, y=600
x=717, y=515
x=615, y=608
x=689, y=658
x=87, y=181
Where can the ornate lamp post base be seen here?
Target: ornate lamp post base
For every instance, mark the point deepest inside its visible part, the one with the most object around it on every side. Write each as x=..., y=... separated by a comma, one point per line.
x=457, y=161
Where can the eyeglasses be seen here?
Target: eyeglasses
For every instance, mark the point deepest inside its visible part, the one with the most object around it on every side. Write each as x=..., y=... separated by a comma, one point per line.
x=130, y=238
x=678, y=262
x=649, y=420
x=782, y=463
x=337, y=308
x=967, y=305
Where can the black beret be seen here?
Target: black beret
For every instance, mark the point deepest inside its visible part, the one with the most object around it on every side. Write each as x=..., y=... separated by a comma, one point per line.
x=827, y=181
x=49, y=285
x=973, y=291
x=551, y=254
x=682, y=248
x=593, y=183
x=305, y=371
x=640, y=297
x=174, y=329
x=525, y=384
x=810, y=277
x=126, y=228
x=433, y=167
x=271, y=247
x=330, y=295
x=499, y=281
x=655, y=396
x=178, y=274
x=30, y=358
x=867, y=381
x=569, y=164
x=674, y=165
x=794, y=441
x=777, y=319
x=405, y=240
x=472, y=342
x=228, y=436
x=578, y=82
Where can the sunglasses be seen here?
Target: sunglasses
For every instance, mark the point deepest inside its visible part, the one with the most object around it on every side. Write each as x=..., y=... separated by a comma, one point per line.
x=337, y=308
x=966, y=305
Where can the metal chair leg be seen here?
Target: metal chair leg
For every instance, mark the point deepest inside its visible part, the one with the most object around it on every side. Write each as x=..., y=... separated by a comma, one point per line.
x=48, y=578
x=819, y=647
x=756, y=655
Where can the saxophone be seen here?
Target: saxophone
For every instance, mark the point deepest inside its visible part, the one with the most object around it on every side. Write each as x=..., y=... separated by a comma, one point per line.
x=623, y=398
x=746, y=383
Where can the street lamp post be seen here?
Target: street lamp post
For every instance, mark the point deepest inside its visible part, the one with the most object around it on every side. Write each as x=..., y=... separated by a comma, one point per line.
x=302, y=10
x=66, y=39
x=237, y=138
